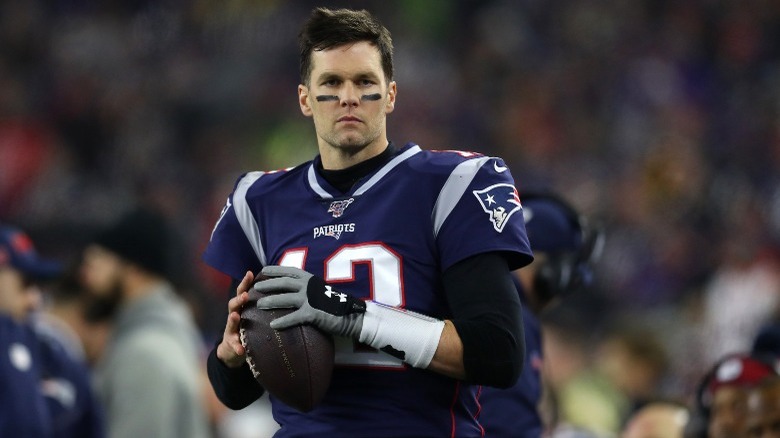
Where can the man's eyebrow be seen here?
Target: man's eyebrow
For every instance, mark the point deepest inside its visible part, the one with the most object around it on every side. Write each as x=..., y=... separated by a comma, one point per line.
x=329, y=75
x=367, y=75
x=326, y=76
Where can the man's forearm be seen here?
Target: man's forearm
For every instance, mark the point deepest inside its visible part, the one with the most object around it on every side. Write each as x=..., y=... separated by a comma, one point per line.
x=448, y=359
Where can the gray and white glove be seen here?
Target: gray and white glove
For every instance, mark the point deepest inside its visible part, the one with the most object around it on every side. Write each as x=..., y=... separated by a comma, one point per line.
x=409, y=336
x=316, y=303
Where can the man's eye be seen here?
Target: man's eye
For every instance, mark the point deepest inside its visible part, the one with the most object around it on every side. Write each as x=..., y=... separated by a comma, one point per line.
x=331, y=83
x=366, y=82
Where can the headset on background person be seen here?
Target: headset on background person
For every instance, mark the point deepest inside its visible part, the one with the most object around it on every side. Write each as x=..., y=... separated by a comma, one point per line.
x=562, y=272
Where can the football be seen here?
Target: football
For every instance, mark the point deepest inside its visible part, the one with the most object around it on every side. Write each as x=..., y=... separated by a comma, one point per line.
x=294, y=365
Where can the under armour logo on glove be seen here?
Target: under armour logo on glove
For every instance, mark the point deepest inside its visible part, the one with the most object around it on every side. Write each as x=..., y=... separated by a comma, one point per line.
x=321, y=297
x=330, y=293
x=317, y=303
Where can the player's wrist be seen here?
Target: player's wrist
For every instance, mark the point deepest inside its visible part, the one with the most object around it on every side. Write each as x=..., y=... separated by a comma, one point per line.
x=410, y=336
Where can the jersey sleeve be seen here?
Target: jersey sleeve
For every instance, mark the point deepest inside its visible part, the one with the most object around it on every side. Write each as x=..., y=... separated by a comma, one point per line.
x=229, y=249
x=479, y=211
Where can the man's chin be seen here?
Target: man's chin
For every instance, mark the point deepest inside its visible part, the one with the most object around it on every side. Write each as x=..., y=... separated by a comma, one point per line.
x=352, y=146
x=101, y=308
x=360, y=140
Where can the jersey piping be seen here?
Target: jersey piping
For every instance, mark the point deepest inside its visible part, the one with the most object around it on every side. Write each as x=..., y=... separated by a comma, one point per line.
x=453, y=189
x=386, y=169
x=315, y=185
x=244, y=214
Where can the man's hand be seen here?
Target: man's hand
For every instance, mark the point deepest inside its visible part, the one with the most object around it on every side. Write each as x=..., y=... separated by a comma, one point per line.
x=230, y=351
x=316, y=303
x=406, y=335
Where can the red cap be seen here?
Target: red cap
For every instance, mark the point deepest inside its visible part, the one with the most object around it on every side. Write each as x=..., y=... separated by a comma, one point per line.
x=740, y=370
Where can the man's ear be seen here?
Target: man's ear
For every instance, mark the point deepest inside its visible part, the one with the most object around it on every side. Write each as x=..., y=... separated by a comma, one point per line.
x=303, y=100
x=391, y=93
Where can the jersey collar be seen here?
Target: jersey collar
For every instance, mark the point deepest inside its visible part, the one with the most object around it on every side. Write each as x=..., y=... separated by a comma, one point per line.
x=325, y=191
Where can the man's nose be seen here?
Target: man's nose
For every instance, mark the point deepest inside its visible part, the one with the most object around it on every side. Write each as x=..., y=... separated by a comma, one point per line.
x=349, y=95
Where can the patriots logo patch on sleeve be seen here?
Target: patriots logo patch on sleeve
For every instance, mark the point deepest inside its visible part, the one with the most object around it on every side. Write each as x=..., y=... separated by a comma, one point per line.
x=500, y=202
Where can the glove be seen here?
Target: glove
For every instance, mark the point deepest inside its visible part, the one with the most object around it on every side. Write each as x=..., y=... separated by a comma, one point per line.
x=316, y=302
x=406, y=335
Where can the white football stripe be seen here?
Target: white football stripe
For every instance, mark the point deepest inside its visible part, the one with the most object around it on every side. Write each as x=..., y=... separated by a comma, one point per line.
x=453, y=189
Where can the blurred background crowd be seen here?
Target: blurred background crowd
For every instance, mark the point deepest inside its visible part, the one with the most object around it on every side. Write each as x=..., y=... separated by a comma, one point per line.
x=660, y=119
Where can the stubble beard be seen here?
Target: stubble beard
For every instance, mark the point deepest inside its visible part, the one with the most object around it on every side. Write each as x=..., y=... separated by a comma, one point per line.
x=104, y=307
x=352, y=143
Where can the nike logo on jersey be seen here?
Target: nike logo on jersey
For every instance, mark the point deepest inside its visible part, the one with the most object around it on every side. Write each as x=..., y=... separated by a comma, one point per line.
x=497, y=168
x=338, y=207
x=333, y=231
x=500, y=202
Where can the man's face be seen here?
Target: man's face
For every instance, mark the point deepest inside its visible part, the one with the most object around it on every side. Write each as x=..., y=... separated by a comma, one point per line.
x=727, y=416
x=100, y=271
x=101, y=275
x=763, y=416
x=18, y=298
x=348, y=97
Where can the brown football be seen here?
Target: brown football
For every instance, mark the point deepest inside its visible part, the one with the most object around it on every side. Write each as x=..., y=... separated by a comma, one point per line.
x=294, y=365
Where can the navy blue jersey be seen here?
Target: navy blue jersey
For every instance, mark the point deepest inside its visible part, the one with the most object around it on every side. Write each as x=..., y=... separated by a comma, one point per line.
x=67, y=388
x=388, y=239
x=514, y=412
x=23, y=411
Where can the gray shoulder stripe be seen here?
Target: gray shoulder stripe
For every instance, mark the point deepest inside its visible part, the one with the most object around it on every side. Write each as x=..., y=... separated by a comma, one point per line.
x=316, y=185
x=387, y=168
x=453, y=190
x=244, y=214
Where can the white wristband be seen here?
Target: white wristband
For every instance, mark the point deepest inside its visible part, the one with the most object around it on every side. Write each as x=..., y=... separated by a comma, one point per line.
x=412, y=333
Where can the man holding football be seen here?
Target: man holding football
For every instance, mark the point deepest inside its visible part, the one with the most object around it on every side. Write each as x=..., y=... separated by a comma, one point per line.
x=422, y=259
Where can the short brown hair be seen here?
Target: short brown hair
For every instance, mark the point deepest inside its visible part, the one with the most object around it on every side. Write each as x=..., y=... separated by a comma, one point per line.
x=327, y=28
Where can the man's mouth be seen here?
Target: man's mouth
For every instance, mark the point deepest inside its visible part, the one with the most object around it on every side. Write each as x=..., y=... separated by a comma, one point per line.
x=349, y=119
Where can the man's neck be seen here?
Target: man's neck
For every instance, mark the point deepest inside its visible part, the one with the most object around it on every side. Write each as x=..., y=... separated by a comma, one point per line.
x=138, y=284
x=344, y=179
x=334, y=158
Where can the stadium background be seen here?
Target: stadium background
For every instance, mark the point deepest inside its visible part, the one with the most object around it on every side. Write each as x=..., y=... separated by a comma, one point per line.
x=660, y=118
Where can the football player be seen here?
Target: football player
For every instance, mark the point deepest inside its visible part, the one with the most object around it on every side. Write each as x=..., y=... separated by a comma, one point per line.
x=565, y=246
x=388, y=246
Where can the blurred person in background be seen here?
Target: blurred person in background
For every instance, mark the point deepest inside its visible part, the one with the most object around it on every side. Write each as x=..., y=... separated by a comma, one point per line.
x=658, y=419
x=63, y=376
x=763, y=409
x=565, y=246
x=23, y=408
x=150, y=375
x=68, y=315
x=580, y=397
x=609, y=378
x=635, y=360
x=721, y=399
